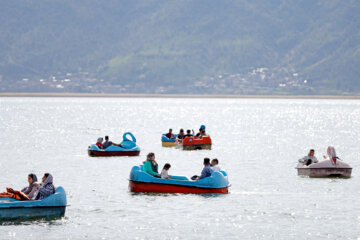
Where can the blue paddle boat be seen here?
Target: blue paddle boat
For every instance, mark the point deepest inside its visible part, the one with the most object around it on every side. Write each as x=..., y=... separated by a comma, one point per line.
x=168, y=142
x=141, y=181
x=51, y=206
x=128, y=148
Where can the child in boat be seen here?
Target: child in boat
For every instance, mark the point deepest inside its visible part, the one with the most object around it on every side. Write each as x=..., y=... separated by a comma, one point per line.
x=309, y=159
x=164, y=172
x=215, y=165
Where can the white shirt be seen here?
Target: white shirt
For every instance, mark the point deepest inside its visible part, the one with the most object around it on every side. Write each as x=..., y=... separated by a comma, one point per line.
x=164, y=174
x=216, y=168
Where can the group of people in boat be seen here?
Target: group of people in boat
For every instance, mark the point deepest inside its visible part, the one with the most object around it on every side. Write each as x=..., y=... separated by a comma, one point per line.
x=181, y=135
x=35, y=190
x=151, y=167
x=310, y=158
x=103, y=145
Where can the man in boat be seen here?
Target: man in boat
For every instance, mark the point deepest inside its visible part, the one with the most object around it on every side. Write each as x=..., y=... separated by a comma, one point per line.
x=180, y=136
x=206, y=172
x=170, y=134
x=188, y=133
x=215, y=165
x=201, y=132
x=108, y=143
x=309, y=159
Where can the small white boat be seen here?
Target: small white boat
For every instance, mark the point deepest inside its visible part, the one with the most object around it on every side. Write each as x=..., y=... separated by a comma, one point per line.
x=332, y=167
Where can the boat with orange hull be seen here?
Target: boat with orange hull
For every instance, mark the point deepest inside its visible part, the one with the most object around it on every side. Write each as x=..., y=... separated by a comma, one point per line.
x=140, y=181
x=194, y=143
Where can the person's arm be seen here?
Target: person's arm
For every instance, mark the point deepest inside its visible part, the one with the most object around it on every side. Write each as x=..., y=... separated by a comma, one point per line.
x=47, y=190
x=148, y=169
x=302, y=159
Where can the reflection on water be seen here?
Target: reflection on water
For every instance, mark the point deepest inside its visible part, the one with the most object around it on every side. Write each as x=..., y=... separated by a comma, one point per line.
x=258, y=142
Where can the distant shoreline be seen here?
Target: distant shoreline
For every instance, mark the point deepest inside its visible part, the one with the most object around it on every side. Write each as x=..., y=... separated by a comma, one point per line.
x=141, y=95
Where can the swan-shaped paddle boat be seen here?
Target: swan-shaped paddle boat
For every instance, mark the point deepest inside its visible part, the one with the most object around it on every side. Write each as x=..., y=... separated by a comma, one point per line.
x=168, y=142
x=51, y=206
x=128, y=148
x=331, y=167
x=141, y=181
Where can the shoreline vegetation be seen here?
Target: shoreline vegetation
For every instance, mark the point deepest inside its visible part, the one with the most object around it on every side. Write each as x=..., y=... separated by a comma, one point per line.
x=146, y=95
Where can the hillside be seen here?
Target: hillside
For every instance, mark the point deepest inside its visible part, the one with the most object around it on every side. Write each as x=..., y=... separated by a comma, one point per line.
x=230, y=47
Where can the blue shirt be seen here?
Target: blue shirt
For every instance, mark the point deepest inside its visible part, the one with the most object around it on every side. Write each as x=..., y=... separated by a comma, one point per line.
x=206, y=172
x=107, y=144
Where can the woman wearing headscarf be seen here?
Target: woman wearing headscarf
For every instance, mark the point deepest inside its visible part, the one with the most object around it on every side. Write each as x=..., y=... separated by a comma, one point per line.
x=99, y=142
x=32, y=188
x=47, y=187
x=151, y=166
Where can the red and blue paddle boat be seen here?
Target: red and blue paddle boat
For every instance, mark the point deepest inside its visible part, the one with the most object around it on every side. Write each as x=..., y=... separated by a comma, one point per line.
x=128, y=148
x=141, y=181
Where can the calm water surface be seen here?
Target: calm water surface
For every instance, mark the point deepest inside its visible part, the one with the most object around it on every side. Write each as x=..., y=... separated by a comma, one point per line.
x=258, y=141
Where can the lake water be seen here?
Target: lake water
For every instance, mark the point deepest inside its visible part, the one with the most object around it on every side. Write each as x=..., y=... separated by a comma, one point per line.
x=258, y=142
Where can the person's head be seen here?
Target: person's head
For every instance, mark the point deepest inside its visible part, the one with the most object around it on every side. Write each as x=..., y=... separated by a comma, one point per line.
x=202, y=131
x=100, y=140
x=214, y=162
x=106, y=138
x=311, y=152
x=150, y=156
x=32, y=178
x=206, y=161
x=167, y=166
x=45, y=177
x=188, y=131
x=181, y=131
x=202, y=127
x=170, y=130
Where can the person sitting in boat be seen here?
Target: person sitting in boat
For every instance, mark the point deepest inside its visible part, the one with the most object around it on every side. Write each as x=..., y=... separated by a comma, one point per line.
x=331, y=155
x=201, y=133
x=309, y=159
x=206, y=172
x=46, y=187
x=215, y=165
x=188, y=133
x=108, y=143
x=151, y=166
x=99, y=143
x=31, y=190
x=170, y=134
x=164, y=172
x=180, y=136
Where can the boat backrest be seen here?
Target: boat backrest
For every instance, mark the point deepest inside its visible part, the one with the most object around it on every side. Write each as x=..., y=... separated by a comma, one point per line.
x=224, y=173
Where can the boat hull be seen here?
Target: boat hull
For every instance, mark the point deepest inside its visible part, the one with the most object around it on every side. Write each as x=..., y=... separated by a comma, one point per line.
x=325, y=172
x=135, y=186
x=168, y=144
x=94, y=153
x=32, y=212
x=197, y=147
